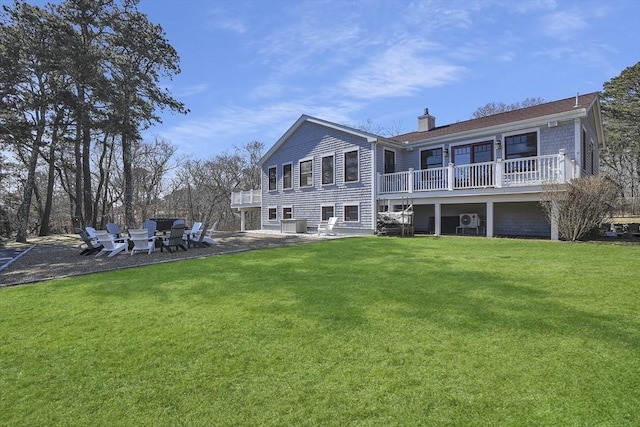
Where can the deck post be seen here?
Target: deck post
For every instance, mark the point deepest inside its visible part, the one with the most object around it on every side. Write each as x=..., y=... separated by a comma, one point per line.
x=562, y=167
x=437, y=221
x=498, y=173
x=450, y=177
x=489, y=222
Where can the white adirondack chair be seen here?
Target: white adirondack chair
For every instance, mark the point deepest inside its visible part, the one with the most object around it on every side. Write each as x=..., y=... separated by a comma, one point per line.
x=327, y=228
x=141, y=241
x=208, y=238
x=110, y=244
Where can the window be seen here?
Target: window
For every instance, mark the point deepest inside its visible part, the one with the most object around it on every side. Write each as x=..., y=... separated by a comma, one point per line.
x=389, y=161
x=431, y=158
x=351, y=213
x=287, y=212
x=473, y=153
x=327, y=170
x=273, y=178
x=587, y=153
x=306, y=173
x=351, y=173
x=519, y=146
x=327, y=212
x=286, y=176
x=273, y=213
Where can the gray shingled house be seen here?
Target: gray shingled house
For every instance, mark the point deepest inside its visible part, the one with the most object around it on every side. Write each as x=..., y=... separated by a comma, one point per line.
x=480, y=176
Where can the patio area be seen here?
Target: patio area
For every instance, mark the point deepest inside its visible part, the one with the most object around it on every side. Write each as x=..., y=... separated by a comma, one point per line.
x=59, y=256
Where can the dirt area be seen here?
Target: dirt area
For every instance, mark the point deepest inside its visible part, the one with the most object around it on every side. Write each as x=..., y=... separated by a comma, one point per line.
x=51, y=257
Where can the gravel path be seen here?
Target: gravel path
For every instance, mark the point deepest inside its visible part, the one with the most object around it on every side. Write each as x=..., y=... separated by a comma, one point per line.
x=59, y=256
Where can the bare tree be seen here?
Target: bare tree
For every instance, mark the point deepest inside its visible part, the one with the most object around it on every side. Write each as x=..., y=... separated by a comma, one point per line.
x=492, y=108
x=579, y=206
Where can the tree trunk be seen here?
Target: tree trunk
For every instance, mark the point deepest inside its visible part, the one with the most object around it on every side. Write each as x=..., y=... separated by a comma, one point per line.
x=46, y=213
x=25, y=206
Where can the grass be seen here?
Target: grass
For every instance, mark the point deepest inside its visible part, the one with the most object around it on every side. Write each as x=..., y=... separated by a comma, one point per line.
x=363, y=331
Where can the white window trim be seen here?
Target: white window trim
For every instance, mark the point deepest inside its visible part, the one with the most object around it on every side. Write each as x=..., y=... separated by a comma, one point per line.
x=268, y=169
x=292, y=173
x=344, y=205
x=285, y=207
x=384, y=159
x=344, y=166
x=519, y=132
x=268, y=209
x=435, y=147
x=327, y=205
x=306, y=159
x=334, y=167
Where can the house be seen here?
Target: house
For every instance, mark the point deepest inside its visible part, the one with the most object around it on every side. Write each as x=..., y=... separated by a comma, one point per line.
x=482, y=176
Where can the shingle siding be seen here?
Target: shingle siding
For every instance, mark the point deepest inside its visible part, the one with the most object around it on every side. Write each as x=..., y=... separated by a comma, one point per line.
x=312, y=141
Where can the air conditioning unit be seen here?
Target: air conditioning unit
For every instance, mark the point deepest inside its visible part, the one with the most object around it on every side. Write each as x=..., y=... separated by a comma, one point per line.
x=469, y=220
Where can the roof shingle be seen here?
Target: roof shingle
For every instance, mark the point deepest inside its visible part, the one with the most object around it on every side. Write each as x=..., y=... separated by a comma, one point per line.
x=541, y=110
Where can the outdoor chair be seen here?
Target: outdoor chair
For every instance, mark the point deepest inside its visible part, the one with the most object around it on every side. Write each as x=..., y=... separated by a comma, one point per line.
x=327, y=228
x=194, y=232
x=151, y=226
x=174, y=240
x=113, y=229
x=197, y=239
x=111, y=245
x=91, y=245
x=91, y=232
x=208, y=238
x=141, y=241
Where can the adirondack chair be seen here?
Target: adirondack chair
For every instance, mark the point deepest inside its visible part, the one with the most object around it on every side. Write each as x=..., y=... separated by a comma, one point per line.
x=327, y=228
x=174, y=240
x=208, y=238
x=91, y=245
x=151, y=227
x=194, y=232
x=111, y=245
x=141, y=241
x=91, y=232
x=113, y=229
x=197, y=239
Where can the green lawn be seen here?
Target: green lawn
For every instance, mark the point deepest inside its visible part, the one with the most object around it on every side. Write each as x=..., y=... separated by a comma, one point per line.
x=363, y=331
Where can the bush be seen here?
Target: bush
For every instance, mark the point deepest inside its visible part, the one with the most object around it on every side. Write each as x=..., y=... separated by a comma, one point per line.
x=579, y=206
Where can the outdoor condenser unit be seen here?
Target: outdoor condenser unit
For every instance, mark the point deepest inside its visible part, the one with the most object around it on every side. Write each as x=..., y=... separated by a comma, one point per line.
x=469, y=220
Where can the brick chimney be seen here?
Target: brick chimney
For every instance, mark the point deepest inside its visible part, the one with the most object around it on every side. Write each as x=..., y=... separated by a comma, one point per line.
x=426, y=121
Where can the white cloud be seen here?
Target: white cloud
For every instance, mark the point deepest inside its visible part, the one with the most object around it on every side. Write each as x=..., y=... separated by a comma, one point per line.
x=192, y=90
x=400, y=71
x=562, y=25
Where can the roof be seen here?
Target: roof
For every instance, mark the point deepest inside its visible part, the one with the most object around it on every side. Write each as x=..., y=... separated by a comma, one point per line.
x=546, y=110
x=308, y=119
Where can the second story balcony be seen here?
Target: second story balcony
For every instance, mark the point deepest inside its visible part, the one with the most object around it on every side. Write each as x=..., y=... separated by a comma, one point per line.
x=246, y=199
x=521, y=172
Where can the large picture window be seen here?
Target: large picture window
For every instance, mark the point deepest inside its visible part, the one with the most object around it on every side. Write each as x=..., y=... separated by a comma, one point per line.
x=351, y=167
x=273, y=178
x=519, y=146
x=327, y=170
x=431, y=158
x=286, y=176
x=306, y=173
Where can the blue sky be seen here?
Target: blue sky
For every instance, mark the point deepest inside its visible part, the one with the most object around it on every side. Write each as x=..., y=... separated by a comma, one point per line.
x=251, y=68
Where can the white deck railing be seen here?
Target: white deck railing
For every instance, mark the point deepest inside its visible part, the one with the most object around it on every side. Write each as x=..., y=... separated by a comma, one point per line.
x=246, y=198
x=501, y=173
